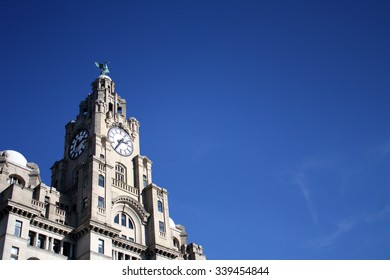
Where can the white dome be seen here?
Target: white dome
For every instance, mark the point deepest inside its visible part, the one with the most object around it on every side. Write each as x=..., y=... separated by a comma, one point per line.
x=172, y=223
x=15, y=157
x=104, y=77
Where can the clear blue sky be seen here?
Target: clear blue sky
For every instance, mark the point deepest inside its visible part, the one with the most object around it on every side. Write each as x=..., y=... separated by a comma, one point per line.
x=267, y=121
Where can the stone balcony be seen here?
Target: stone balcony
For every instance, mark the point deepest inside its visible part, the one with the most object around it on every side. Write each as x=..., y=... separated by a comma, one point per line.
x=125, y=187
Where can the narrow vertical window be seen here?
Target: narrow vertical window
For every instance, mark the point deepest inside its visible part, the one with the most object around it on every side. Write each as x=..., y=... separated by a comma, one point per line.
x=101, y=246
x=57, y=246
x=41, y=241
x=18, y=229
x=130, y=224
x=160, y=206
x=123, y=220
x=14, y=253
x=101, y=181
x=161, y=226
x=31, y=238
x=85, y=203
x=76, y=178
x=85, y=183
x=101, y=202
x=145, y=181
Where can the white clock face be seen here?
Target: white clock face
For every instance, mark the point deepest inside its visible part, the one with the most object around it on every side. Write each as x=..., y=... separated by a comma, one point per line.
x=120, y=141
x=77, y=145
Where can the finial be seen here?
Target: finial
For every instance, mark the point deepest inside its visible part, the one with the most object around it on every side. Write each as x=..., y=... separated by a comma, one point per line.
x=103, y=67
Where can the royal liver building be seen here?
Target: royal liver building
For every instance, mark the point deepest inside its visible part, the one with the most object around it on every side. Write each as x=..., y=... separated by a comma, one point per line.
x=102, y=202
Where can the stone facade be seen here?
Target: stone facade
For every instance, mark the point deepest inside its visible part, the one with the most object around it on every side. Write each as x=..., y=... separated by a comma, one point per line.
x=102, y=203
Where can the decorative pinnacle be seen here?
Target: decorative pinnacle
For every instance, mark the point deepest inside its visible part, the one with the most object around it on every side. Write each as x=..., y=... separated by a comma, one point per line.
x=103, y=67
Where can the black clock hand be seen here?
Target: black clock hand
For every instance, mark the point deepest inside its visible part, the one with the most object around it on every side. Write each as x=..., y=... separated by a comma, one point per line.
x=119, y=142
x=79, y=145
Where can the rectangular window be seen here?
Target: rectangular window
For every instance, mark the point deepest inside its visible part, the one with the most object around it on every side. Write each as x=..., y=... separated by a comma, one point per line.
x=41, y=241
x=18, y=228
x=101, y=246
x=14, y=253
x=101, y=202
x=31, y=238
x=101, y=181
x=85, y=203
x=145, y=181
x=160, y=206
x=161, y=226
x=56, y=246
x=66, y=249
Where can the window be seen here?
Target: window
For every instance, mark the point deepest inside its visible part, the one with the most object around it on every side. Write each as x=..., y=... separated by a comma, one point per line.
x=120, y=173
x=160, y=206
x=101, y=246
x=130, y=224
x=14, y=253
x=66, y=249
x=76, y=178
x=35, y=194
x=41, y=241
x=123, y=236
x=85, y=182
x=16, y=180
x=161, y=226
x=31, y=238
x=123, y=220
x=18, y=228
x=145, y=181
x=176, y=243
x=101, y=202
x=131, y=239
x=85, y=203
x=56, y=246
x=101, y=181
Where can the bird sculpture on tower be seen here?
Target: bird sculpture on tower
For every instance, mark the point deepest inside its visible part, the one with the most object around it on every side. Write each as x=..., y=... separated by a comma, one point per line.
x=103, y=67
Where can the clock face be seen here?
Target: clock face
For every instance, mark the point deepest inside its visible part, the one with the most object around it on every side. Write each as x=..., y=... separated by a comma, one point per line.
x=77, y=145
x=120, y=141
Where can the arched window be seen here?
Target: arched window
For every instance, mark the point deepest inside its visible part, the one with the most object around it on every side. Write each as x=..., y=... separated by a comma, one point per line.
x=101, y=181
x=124, y=220
x=176, y=243
x=16, y=180
x=130, y=224
x=159, y=206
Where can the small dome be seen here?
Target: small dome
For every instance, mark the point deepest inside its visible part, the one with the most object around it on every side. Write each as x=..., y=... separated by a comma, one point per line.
x=15, y=157
x=104, y=77
x=172, y=223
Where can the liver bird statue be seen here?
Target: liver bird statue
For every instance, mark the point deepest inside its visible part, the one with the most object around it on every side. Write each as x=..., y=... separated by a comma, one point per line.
x=103, y=67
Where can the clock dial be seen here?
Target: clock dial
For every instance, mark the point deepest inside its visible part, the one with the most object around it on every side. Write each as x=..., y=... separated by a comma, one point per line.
x=77, y=145
x=120, y=141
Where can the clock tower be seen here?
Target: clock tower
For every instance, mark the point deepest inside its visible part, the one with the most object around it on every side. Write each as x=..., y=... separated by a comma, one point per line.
x=116, y=210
